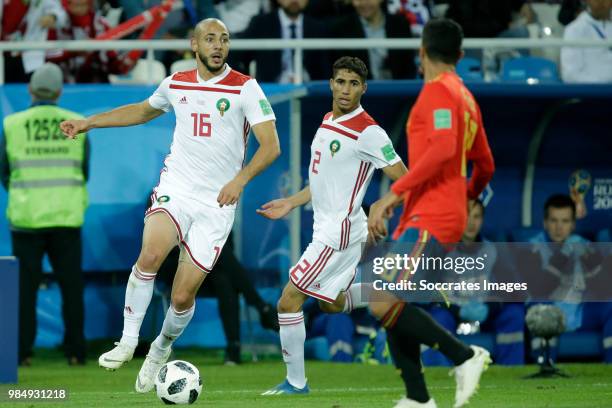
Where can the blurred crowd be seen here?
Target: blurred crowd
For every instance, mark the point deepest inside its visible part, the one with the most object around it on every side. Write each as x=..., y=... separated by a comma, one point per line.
x=87, y=19
x=556, y=264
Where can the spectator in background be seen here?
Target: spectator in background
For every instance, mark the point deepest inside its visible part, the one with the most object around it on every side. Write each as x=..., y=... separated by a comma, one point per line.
x=417, y=12
x=369, y=20
x=29, y=21
x=506, y=320
x=85, y=22
x=569, y=10
x=589, y=64
x=486, y=18
x=567, y=263
x=328, y=9
x=288, y=22
x=44, y=174
x=236, y=14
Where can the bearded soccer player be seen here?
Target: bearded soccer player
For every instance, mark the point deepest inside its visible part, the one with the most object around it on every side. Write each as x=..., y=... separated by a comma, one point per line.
x=348, y=146
x=444, y=132
x=195, y=201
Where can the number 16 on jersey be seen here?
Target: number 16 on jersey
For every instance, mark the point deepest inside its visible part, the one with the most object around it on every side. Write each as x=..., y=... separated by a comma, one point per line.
x=201, y=124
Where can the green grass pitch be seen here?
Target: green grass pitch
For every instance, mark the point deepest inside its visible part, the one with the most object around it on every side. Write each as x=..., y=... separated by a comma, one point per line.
x=332, y=385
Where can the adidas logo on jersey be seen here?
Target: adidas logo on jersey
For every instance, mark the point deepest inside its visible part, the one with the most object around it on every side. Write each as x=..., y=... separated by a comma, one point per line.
x=183, y=100
x=316, y=286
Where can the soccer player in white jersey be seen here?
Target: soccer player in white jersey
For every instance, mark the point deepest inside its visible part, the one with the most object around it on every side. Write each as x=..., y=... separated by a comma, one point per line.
x=200, y=184
x=346, y=149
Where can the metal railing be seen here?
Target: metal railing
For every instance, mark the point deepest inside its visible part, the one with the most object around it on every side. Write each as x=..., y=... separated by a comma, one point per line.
x=299, y=45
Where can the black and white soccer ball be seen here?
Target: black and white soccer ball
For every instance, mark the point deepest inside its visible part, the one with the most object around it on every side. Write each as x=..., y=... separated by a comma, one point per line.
x=178, y=382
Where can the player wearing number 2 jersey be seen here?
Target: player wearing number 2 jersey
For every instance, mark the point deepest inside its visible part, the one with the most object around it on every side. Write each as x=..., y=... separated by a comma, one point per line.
x=347, y=148
x=203, y=177
x=444, y=132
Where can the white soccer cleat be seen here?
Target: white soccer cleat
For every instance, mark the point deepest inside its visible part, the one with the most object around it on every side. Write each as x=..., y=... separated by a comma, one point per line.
x=146, y=376
x=408, y=403
x=117, y=357
x=467, y=375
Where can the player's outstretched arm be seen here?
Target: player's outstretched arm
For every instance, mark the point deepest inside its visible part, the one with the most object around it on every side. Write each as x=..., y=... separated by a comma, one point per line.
x=267, y=152
x=127, y=115
x=276, y=209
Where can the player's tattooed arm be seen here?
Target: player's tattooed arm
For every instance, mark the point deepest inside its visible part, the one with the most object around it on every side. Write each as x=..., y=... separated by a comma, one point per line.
x=268, y=151
x=127, y=115
x=276, y=209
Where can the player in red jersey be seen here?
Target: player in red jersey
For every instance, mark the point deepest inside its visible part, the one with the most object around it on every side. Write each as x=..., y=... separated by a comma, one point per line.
x=444, y=132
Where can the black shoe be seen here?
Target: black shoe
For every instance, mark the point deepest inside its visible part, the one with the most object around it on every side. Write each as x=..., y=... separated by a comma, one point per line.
x=269, y=318
x=232, y=354
x=25, y=362
x=76, y=361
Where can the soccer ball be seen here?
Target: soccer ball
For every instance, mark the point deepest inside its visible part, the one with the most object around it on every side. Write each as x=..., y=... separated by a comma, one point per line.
x=178, y=382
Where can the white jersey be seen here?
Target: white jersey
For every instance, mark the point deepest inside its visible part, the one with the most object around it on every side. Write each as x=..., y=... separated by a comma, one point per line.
x=213, y=119
x=344, y=153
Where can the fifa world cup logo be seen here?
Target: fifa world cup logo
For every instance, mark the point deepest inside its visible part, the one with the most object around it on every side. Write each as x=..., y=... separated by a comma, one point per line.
x=579, y=185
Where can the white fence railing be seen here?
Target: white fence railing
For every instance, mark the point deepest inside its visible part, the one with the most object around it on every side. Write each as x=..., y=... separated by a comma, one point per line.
x=298, y=44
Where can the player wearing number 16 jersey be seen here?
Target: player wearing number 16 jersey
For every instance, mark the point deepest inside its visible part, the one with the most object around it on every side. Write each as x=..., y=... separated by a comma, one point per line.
x=202, y=179
x=347, y=148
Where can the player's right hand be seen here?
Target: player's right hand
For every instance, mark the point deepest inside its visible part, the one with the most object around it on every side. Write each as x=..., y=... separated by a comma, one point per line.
x=71, y=128
x=377, y=227
x=275, y=209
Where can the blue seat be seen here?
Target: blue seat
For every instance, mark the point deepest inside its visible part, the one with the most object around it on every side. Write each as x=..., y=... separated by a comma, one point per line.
x=580, y=344
x=523, y=234
x=605, y=235
x=469, y=69
x=528, y=69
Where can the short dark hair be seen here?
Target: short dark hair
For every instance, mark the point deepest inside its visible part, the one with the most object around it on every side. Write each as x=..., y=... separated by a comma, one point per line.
x=559, y=201
x=353, y=64
x=442, y=40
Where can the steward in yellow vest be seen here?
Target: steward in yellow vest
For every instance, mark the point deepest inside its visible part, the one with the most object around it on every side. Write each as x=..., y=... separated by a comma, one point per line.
x=44, y=174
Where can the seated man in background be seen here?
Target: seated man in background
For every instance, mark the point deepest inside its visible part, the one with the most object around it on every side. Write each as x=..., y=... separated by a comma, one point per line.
x=506, y=320
x=28, y=21
x=567, y=264
x=288, y=22
x=85, y=23
x=489, y=18
x=369, y=20
x=229, y=281
x=589, y=64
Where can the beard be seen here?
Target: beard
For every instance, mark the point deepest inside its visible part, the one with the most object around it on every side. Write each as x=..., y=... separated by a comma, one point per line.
x=207, y=63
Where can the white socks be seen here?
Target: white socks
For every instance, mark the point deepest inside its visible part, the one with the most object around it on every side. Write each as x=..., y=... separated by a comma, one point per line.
x=137, y=298
x=357, y=296
x=174, y=325
x=293, y=336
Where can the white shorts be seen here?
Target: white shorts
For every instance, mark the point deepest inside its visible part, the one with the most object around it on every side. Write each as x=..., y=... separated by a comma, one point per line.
x=202, y=230
x=323, y=272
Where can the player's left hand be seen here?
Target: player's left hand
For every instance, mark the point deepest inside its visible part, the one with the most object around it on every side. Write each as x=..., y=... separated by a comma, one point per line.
x=230, y=193
x=275, y=209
